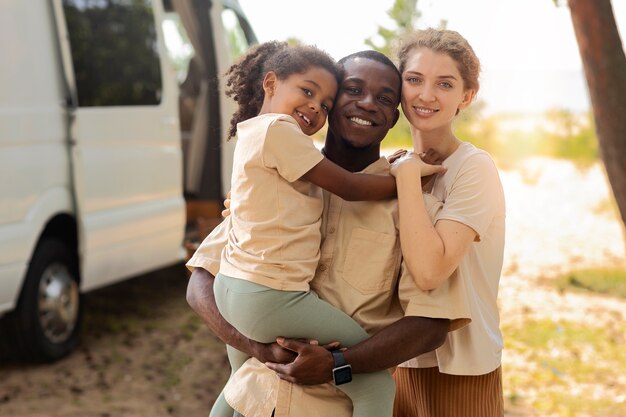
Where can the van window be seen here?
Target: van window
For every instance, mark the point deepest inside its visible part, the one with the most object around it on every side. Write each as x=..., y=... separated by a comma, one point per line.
x=236, y=37
x=114, y=52
x=178, y=46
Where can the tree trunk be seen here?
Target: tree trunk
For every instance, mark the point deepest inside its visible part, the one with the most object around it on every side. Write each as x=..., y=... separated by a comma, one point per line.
x=605, y=69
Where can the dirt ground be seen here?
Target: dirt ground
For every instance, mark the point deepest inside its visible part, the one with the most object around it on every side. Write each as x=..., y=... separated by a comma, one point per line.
x=144, y=353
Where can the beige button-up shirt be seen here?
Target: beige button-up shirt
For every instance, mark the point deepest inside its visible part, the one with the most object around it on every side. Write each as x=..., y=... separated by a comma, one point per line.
x=360, y=271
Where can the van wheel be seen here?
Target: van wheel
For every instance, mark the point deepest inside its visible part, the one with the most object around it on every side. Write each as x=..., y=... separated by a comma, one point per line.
x=49, y=311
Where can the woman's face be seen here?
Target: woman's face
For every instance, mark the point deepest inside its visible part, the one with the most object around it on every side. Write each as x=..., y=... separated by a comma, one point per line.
x=432, y=90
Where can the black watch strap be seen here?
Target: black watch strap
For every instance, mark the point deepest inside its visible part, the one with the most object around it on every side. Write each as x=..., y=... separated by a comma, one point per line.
x=342, y=372
x=338, y=358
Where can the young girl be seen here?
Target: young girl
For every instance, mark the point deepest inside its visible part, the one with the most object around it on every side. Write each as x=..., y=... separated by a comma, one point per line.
x=284, y=95
x=463, y=377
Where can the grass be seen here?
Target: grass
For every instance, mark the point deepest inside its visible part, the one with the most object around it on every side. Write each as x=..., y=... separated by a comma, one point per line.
x=607, y=281
x=565, y=368
x=559, y=366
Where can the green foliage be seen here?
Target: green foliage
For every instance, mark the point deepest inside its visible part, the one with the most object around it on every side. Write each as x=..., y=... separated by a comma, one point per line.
x=293, y=41
x=180, y=58
x=571, y=136
x=399, y=136
x=602, y=280
x=564, y=134
x=470, y=125
x=405, y=15
x=114, y=52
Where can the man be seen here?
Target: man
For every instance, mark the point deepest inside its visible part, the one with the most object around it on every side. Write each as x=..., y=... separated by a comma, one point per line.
x=360, y=271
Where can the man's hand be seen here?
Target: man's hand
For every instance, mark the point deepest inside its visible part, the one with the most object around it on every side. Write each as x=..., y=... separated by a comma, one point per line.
x=274, y=353
x=396, y=155
x=313, y=364
x=226, y=211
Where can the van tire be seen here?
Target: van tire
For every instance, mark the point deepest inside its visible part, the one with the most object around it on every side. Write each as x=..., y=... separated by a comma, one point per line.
x=48, y=316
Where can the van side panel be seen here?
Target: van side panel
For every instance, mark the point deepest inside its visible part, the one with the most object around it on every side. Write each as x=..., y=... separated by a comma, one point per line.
x=126, y=155
x=34, y=160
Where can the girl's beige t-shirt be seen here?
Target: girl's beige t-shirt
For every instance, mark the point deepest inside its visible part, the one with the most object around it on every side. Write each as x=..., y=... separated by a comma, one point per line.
x=275, y=236
x=472, y=194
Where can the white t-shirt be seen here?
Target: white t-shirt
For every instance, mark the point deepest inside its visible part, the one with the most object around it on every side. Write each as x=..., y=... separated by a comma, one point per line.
x=472, y=194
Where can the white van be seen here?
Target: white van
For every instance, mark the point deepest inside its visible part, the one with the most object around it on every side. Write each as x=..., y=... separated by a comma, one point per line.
x=94, y=176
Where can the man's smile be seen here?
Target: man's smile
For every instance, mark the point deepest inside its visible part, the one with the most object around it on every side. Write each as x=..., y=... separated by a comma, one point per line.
x=361, y=122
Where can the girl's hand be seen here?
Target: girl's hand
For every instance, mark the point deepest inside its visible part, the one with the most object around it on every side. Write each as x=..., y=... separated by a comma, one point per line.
x=411, y=159
x=397, y=154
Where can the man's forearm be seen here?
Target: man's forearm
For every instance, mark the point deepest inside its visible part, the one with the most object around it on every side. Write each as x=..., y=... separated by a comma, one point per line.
x=201, y=299
x=405, y=339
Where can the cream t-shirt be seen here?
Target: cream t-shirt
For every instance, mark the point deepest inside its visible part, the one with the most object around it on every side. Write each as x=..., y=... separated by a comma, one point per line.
x=472, y=194
x=275, y=216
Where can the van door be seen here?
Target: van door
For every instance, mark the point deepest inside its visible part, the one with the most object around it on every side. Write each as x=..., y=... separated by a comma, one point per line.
x=126, y=157
x=216, y=33
x=233, y=41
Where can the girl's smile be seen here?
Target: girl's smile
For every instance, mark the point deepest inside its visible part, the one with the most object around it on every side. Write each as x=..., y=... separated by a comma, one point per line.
x=307, y=97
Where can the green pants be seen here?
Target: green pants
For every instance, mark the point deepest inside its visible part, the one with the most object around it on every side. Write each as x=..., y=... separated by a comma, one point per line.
x=261, y=313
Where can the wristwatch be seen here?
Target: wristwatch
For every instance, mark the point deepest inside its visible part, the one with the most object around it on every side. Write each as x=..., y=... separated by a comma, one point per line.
x=342, y=372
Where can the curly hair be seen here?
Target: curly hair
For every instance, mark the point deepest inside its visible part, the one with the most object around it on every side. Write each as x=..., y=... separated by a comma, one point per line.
x=446, y=42
x=244, y=82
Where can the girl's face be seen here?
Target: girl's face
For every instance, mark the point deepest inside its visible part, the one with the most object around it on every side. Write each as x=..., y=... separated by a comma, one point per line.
x=432, y=90
x=307, y=97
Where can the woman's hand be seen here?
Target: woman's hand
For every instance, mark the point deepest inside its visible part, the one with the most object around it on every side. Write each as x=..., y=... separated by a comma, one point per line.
x=414, y=162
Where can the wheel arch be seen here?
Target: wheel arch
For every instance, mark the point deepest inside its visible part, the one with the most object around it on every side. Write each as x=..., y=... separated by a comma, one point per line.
x=62, y=226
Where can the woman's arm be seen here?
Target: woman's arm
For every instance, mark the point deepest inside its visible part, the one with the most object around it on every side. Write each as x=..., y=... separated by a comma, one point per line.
x=355, y=186
x=431, y=252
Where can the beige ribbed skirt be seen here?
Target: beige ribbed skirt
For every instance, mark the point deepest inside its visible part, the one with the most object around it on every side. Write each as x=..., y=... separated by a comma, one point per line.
x=426, y=392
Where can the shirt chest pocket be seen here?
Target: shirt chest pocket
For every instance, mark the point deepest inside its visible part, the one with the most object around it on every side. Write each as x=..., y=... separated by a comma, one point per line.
x=372, y=260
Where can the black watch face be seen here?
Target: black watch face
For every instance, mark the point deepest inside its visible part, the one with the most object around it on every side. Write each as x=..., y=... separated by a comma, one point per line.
x=342, y=374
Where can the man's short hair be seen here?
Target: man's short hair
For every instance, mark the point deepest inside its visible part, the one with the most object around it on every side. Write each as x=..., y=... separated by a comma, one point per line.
x=374, y=56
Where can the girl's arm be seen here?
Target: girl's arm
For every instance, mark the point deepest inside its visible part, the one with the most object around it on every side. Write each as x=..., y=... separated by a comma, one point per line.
x=354, y=186
x=431, y=253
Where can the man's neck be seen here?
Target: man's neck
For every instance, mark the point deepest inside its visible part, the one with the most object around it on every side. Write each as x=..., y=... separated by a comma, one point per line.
x=348, y=157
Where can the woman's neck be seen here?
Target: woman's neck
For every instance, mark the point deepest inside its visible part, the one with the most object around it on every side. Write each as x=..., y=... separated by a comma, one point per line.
x=442, y=142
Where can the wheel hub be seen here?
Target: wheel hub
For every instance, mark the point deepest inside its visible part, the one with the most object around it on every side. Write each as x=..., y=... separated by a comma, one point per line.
x=58, y=303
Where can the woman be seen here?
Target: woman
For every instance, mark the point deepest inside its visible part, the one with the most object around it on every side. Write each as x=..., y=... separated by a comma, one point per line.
x=463, y=377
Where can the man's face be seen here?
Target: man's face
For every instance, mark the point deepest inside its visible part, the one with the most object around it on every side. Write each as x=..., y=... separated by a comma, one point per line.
x=366, y=106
